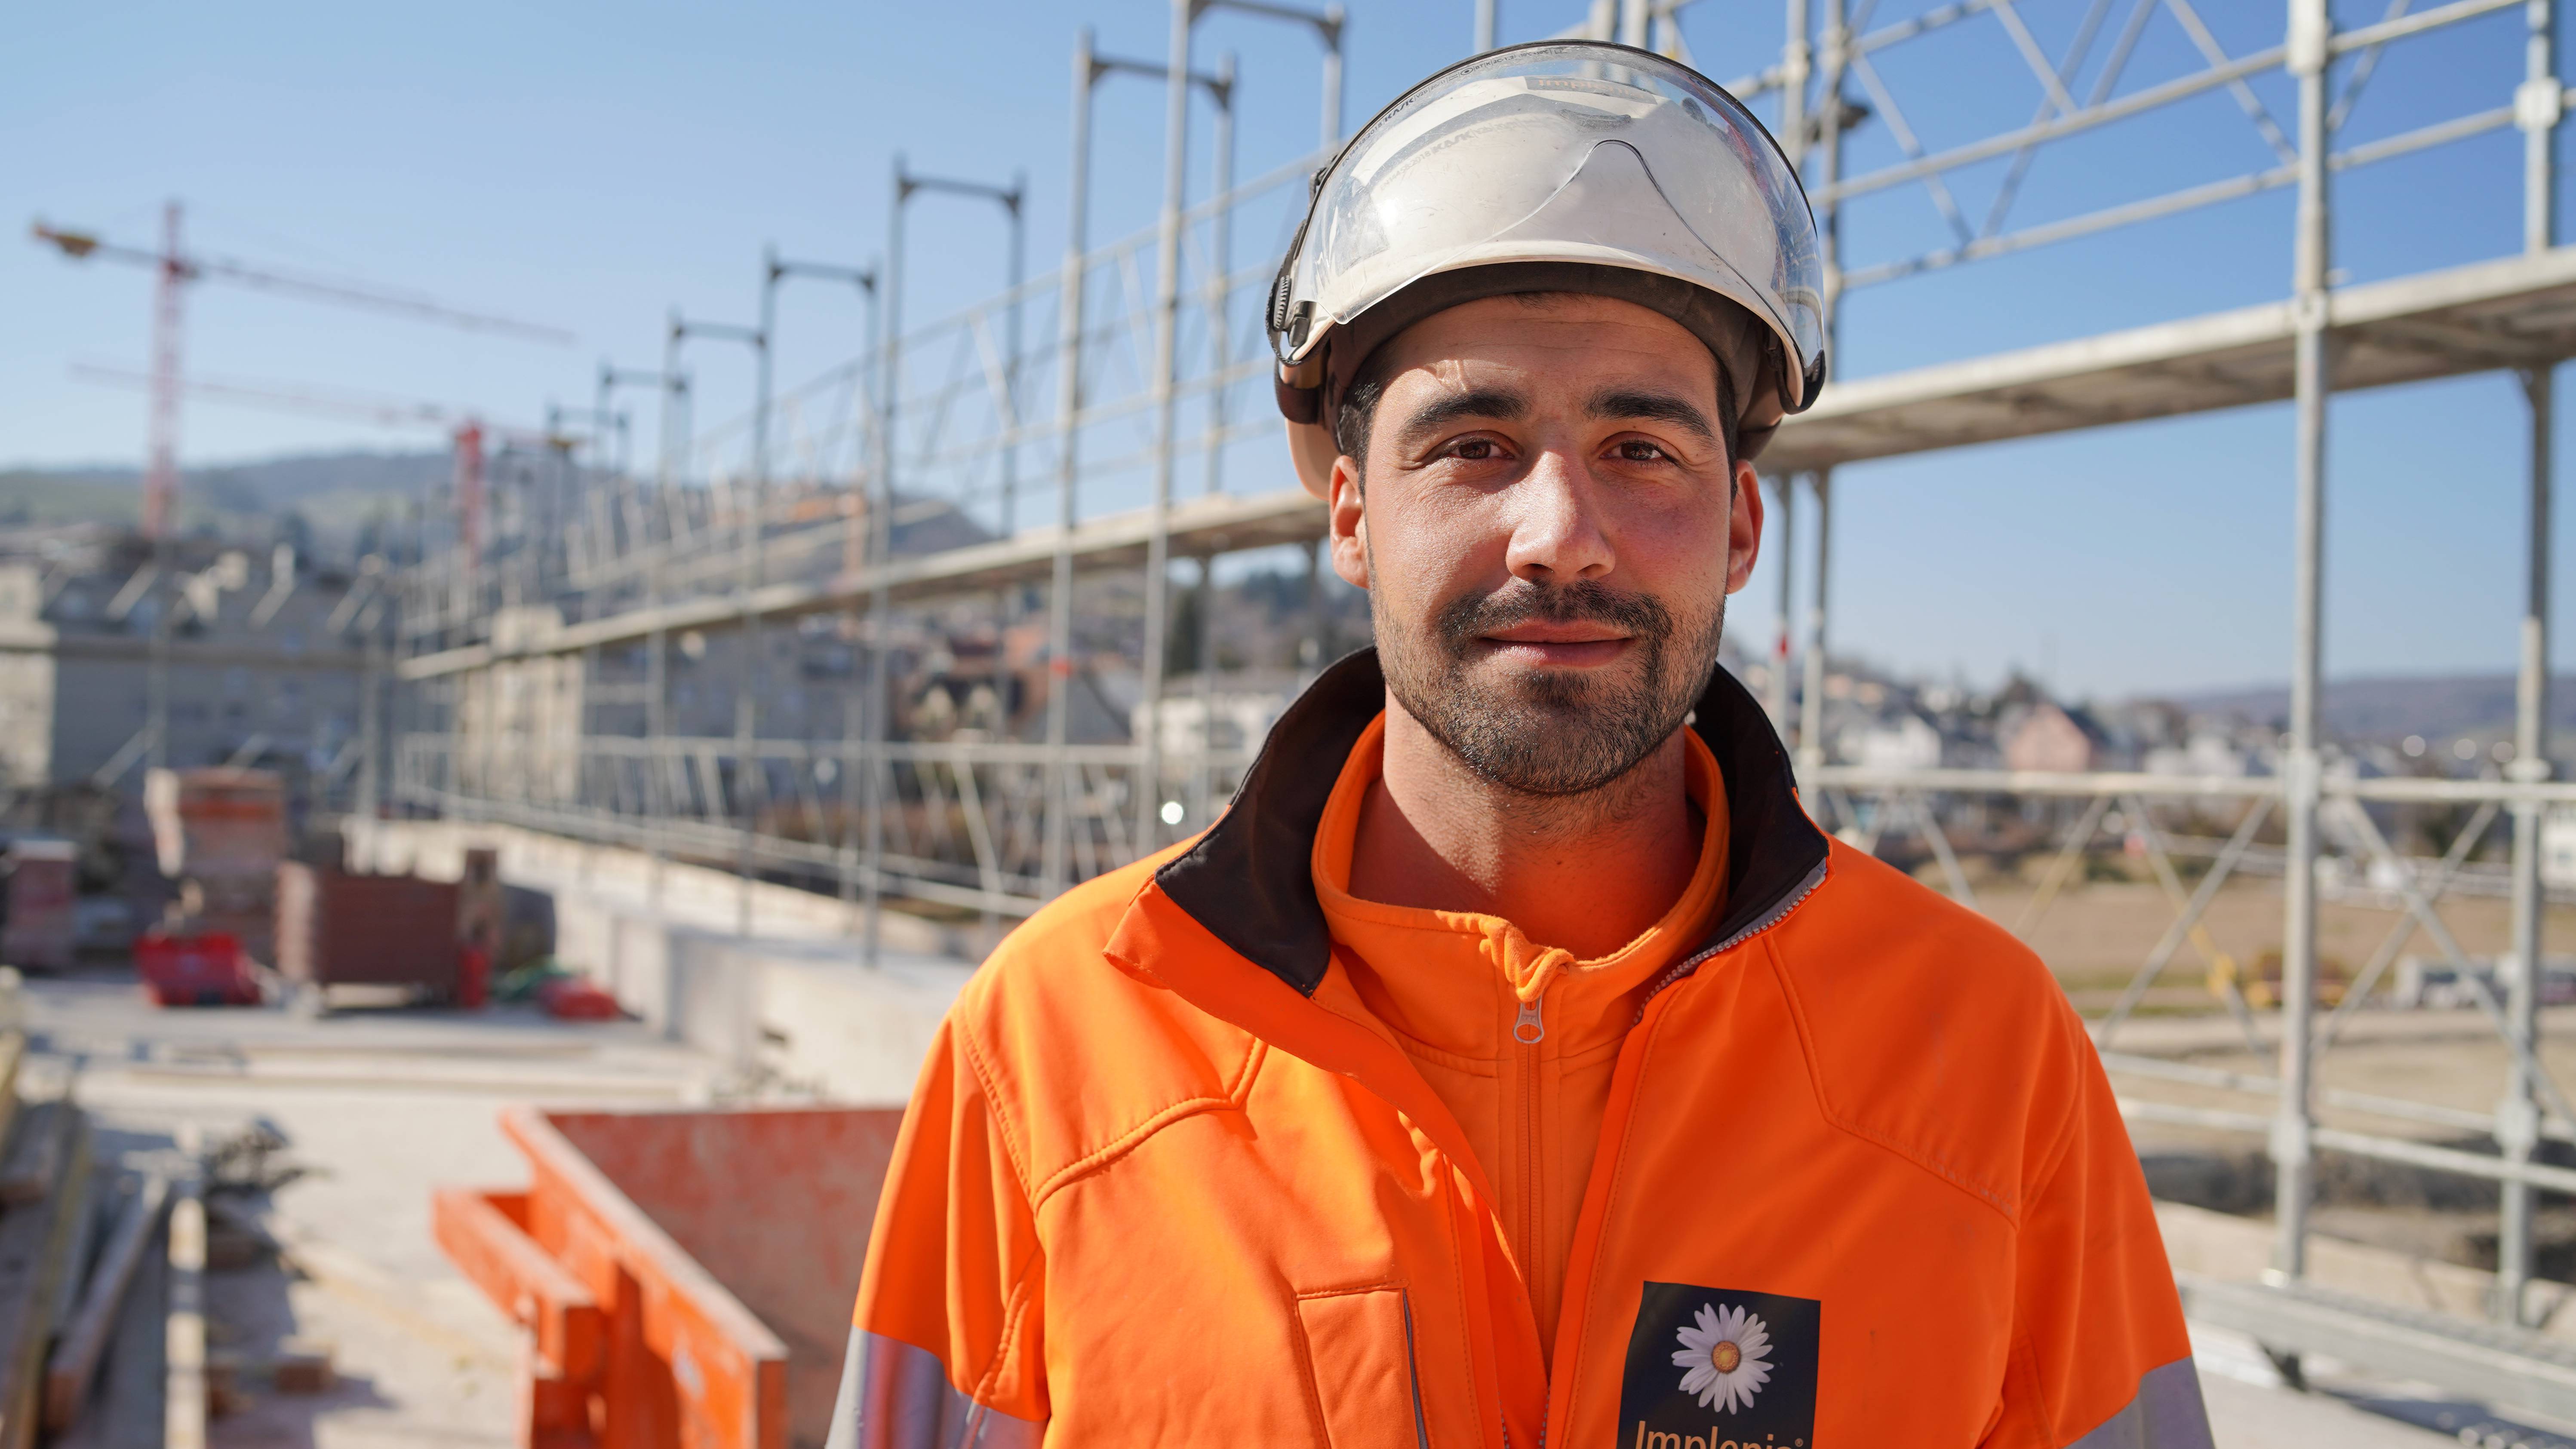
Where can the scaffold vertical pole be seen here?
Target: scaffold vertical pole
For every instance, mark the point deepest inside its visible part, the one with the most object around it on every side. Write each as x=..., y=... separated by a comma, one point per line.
x=2293, y=1146
x=1784, y=493
x=2537, y=106
x=1220, y=270
x=1201, y=793
x=1811, y=702
x=754, y=541
x=880, y=633
x=1069, y=321
x=1829, y=126
x=1331, y=31
x=1795, y=73
x=371, y=729
x=859, y=527
x=1167, y=353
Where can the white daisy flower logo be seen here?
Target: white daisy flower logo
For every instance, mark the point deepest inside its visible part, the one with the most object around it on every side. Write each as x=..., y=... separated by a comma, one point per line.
x=1727, y=1355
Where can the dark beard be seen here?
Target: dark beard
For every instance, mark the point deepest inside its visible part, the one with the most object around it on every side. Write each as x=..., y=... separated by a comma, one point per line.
x=1556, y=732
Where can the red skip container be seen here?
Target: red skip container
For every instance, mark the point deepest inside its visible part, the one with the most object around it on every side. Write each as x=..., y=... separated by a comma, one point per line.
x=205, y=969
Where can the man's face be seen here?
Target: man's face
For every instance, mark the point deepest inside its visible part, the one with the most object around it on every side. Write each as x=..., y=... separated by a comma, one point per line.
x=1549, y=530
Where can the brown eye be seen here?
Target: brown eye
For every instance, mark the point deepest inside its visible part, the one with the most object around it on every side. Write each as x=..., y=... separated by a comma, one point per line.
x=1476, y=450
x=1637, y=450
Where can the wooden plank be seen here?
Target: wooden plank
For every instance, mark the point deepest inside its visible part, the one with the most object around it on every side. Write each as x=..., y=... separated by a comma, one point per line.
x=30, y=1167
x=35, y=1238
x=13, y=1051
x=85, y=1333
x=126, y=1410
x=86, y=1226
x=183, y=1422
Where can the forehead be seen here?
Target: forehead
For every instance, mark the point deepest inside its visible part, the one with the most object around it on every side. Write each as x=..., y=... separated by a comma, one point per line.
x=1572, y=339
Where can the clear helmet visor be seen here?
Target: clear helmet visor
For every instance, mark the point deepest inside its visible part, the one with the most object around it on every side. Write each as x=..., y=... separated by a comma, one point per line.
x=1565, y=152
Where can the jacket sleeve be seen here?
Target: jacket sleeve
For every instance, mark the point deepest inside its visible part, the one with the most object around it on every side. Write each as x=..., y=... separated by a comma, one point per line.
x=2100, y=1357
x=944, y=1344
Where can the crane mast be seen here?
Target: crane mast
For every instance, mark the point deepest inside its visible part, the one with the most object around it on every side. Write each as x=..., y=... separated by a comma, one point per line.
x=161, y=479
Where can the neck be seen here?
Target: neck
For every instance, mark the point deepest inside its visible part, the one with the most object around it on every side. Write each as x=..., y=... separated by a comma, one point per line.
x=1588, y=873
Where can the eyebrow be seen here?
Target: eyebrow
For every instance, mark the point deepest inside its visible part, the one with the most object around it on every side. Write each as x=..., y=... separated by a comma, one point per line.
x=1616, y=404
x=1498, y=403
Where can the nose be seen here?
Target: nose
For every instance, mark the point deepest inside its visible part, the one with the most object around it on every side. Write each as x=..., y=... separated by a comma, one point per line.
x=1556, y=539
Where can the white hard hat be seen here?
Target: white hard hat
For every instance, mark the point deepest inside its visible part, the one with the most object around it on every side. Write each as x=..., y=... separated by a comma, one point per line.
x=1571, y=166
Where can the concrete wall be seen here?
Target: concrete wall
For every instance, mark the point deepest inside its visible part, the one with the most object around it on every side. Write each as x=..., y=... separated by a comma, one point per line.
x=790, y=999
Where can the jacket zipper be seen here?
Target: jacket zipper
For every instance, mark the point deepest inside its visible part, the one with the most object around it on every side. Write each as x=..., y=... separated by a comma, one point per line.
x=1536, y=1030
x=1529, y=1028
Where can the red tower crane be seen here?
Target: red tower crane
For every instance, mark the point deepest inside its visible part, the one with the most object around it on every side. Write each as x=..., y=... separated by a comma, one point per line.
x=174, y=268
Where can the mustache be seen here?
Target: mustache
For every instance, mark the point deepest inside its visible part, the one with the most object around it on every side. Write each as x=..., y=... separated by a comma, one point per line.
x=1462, y=620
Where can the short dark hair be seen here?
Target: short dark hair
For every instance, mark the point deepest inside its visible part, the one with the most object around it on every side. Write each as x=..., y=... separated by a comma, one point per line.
x=1358, y=410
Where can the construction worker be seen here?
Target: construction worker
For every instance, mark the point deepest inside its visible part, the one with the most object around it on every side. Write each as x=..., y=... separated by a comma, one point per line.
x=1515, y=1063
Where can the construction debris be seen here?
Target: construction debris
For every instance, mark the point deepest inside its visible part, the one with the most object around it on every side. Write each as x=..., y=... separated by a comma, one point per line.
x=74, y=1366
x=35, y=1243
x=32, y=1164
x=302, y=1366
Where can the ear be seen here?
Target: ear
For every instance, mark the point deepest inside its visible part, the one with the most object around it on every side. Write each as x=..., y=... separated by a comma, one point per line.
x=1346, y=521
x=1743, y=526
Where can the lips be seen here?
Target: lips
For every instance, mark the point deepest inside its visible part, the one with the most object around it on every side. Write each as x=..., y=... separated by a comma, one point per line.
x=1553, y=633
x=1558, y=648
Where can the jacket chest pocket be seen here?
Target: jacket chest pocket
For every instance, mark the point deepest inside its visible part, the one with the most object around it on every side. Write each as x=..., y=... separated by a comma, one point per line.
x=1362, y=1386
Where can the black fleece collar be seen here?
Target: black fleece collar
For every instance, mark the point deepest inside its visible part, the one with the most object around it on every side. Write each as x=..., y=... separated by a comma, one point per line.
x=1250, y=880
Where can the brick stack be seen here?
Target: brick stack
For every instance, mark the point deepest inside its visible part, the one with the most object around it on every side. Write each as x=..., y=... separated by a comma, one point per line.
x=221, y=833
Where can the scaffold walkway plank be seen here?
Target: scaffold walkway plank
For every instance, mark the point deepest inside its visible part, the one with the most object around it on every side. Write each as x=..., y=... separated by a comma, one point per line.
x=1216, y=524
x=2516, y=312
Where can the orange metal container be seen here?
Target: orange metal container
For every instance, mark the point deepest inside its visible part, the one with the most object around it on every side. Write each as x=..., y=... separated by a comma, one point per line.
x=686, y=1278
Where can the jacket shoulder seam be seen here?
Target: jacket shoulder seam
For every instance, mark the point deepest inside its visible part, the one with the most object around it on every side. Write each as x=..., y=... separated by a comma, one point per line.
x=2003, y=1207
x=1162, y=1117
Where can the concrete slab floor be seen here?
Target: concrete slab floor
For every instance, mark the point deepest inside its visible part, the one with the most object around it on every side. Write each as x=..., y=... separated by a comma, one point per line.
x=2251, y=1408
x=381, y=1107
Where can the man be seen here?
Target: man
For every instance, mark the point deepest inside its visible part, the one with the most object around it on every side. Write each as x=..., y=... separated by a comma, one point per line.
x=1515, y=1063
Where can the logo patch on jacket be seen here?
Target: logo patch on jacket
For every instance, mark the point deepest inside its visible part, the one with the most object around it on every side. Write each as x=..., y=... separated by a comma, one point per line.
x=1716, y=1368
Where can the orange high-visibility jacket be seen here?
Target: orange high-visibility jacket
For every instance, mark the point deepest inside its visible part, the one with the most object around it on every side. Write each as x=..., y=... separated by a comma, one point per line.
x=1860, y=1183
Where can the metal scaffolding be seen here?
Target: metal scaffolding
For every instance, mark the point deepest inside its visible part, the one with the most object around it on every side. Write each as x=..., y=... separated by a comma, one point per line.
x=860, y=522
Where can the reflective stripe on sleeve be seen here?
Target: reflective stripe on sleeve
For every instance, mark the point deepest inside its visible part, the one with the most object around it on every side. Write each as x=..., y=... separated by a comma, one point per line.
x=896, y=1396
x=2166, y=1413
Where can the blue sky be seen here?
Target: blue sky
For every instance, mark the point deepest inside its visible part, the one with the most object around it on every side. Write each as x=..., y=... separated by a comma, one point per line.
x=590, y=166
